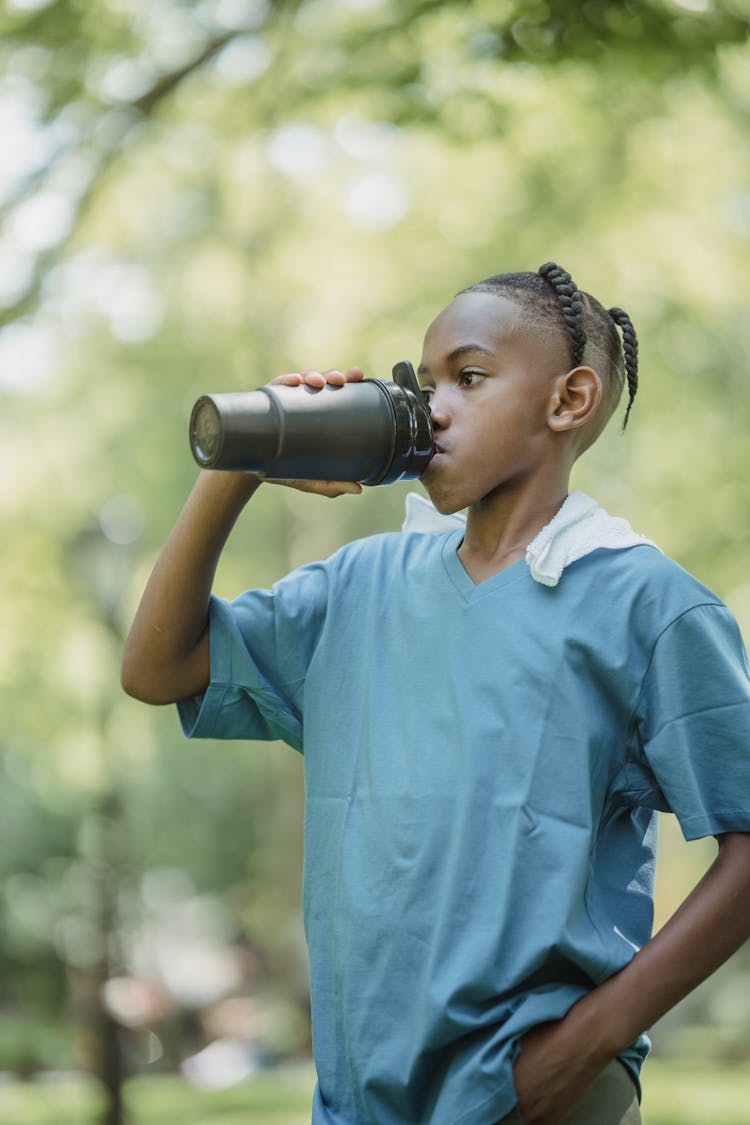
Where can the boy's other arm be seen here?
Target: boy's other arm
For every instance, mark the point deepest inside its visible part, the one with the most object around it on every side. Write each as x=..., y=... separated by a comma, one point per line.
x=559, y=1061
x=166, y=655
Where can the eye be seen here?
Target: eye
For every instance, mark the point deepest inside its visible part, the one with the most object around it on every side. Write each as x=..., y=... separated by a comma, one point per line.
x=471, y=378
x=427, y=393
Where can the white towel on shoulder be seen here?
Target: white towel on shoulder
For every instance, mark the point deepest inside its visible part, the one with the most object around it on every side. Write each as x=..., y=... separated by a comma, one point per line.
x=579, y=528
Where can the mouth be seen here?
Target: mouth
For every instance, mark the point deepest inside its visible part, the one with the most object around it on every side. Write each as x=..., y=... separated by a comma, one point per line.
x=437, y=455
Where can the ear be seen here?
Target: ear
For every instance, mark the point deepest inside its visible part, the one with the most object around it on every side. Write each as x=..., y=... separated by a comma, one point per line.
x=575, y=399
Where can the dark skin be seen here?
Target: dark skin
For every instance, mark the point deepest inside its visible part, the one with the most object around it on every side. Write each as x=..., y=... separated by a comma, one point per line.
x=166, y=655
x=559, y=1062
x=510, y=419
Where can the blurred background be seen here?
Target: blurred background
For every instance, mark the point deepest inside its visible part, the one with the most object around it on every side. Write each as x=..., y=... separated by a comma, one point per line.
x=197, y=196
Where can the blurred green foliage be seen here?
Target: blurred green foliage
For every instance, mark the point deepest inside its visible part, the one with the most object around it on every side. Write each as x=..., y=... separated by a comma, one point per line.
x=674, y=1095
x=197, y=196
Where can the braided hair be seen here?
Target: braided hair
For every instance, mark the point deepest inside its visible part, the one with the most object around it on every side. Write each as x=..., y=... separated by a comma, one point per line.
x=550, y=295
x=630, y=350
x=571, y=306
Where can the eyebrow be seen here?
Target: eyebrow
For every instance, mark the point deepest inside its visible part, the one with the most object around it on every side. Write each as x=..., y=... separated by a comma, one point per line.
x=462, y=349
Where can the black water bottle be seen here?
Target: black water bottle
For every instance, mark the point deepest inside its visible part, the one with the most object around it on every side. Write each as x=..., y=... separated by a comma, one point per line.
x=372, y=431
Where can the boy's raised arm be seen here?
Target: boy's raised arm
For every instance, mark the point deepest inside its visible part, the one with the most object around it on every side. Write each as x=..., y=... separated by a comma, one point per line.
x=166, y=654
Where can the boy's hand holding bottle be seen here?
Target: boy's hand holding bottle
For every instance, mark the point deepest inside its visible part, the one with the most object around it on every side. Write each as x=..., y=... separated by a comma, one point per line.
x=319, y=379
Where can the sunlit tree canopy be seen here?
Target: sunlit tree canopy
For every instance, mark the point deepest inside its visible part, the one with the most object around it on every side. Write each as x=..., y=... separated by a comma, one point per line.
x=198, y=196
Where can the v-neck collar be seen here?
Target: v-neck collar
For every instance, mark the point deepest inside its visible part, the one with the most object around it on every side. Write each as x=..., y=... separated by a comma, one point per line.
x=467, y=589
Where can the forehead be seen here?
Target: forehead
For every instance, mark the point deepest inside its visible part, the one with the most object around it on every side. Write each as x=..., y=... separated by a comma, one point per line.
x=486, y=317
x=495, y=324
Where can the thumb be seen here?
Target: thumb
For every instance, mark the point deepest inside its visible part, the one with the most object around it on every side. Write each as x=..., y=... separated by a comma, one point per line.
x=328, y=488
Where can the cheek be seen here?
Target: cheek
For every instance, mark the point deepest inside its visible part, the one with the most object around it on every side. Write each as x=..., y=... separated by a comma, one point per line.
x=488, y=440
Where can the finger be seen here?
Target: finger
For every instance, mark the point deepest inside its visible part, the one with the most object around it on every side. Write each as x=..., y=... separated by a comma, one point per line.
x=291, y=379
x=338, y=378
x=314, y=378
x=329, y=488
x=341, y=488
x=334, y=377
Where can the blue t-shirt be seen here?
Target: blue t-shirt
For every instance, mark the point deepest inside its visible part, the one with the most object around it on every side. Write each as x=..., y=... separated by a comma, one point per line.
x=482, y=766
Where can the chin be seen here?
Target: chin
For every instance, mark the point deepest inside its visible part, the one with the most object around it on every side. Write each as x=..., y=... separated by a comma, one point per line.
x=448, y=509
x=444, y=504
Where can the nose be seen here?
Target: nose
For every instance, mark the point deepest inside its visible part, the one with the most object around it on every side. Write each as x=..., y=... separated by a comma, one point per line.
x=438, y=411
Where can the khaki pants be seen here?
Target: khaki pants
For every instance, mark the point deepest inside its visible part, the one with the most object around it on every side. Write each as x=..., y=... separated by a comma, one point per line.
x=611, y=1100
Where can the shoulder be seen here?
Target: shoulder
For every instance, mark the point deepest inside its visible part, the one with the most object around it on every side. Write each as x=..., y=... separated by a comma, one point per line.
x=635, y=596
x=642, y=576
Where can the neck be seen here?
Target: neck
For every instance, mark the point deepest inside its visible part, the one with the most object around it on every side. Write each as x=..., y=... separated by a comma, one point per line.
x=500, y=528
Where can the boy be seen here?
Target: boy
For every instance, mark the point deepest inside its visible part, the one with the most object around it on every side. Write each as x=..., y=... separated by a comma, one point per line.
x=489, y=718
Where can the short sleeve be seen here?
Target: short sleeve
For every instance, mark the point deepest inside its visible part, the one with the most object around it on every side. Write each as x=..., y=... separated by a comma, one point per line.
x=693, y=725
x=261, y=646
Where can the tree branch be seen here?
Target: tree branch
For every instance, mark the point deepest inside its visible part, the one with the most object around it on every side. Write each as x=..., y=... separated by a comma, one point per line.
x=163, y=87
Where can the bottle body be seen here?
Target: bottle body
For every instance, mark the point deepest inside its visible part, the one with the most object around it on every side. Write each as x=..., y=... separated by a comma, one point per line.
x=372, y=431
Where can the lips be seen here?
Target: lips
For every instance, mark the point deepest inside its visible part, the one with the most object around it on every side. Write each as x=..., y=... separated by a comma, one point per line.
x=438, y=453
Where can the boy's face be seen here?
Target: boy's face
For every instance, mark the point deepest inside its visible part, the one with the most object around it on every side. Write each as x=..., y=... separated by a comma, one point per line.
x=489, y=381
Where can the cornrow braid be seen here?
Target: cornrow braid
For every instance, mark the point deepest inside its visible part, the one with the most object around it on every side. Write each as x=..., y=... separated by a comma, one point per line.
x=630, y=351
x=571, y=306
x=590, y=330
